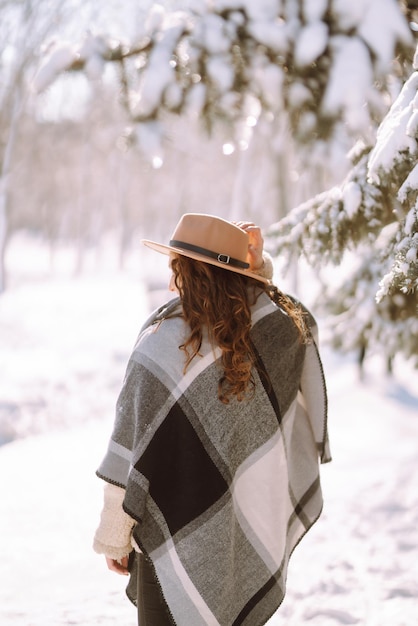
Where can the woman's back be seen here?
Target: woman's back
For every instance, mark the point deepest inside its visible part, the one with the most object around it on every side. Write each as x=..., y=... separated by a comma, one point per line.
x=219, y=429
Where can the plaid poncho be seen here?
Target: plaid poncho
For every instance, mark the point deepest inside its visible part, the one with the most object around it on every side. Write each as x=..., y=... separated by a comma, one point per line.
x=222, y=493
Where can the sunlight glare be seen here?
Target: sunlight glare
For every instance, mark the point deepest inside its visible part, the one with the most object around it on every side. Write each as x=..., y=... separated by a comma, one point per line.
x=157, y=162
x=228, y=148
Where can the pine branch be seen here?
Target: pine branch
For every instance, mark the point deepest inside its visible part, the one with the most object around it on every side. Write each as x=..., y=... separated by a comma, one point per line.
x=323, y=228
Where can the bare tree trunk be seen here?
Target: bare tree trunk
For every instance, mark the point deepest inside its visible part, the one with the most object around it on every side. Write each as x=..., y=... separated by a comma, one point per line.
x=81, y=222
x=3, y=239
x=4, y=183
x=125, y=232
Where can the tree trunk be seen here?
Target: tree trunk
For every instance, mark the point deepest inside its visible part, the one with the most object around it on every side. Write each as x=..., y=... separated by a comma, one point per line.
x=4, y=184
x=3, y=239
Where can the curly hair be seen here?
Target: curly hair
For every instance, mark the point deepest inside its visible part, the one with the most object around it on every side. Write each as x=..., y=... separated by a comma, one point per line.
x=214, y=299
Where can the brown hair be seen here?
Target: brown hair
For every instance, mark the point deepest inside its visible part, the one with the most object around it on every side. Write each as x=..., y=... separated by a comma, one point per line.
x=221, y=302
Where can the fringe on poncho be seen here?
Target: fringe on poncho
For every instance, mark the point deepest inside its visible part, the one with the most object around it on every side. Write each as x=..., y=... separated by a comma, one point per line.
x=222, y=493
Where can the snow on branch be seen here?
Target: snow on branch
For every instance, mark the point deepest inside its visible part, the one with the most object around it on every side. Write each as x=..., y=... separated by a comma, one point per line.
x=90, y=57
x=396, y=136
x=235, y=59
x=394, y=160
x=323, y=228
x=382, y=188
x=356, y=321
x=403, y=274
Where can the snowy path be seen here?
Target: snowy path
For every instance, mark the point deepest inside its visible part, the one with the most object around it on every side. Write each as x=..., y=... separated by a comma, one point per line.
x=50, y=498
x=358, y=565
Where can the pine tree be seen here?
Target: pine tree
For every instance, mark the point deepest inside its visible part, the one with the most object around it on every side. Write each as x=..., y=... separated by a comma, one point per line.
x=373, y=215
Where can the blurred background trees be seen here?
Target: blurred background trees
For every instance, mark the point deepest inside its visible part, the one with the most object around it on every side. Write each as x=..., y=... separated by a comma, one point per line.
x=243, y=108
x=24, y=25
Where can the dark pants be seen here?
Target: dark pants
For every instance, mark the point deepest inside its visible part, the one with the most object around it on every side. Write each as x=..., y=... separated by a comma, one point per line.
x=152, y=610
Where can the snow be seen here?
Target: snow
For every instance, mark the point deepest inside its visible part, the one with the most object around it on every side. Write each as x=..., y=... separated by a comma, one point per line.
x=212, y=34
x=158, y=74
x=220, y=72
x=270, y=79
x=155, y=18
x=411, y=255
x=311, y=43
x=93, y=50
x=65, y=343
x=272, y=34
x=392, y=136
x=382, y=27
x=384, y=285
x=410, y=220
x=196, y=100
x=351, y=13
x=351, y=198
x=60, y=57
x=314, y=10
x=410, y=183
x=350, y=54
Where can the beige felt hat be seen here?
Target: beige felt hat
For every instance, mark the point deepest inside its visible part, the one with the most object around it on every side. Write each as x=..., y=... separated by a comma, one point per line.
x=212, y=240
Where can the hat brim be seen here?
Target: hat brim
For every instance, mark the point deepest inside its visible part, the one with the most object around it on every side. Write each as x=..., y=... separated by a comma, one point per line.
x=164, y=249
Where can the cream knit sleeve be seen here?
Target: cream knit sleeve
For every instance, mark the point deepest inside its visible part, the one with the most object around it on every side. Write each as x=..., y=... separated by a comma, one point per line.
x=113, y=536
x=266, y=270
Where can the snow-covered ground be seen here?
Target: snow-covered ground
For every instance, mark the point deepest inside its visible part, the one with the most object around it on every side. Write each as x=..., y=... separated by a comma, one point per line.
x=64, y=346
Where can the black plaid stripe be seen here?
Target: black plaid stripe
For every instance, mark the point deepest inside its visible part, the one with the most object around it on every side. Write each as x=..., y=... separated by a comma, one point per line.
x=301, y=506
x=183, y=479
x=255, y=610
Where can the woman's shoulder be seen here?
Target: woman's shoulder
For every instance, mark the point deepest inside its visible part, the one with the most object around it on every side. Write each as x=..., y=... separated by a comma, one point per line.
x=169, y=309
x=162, y=332
x=266, y=305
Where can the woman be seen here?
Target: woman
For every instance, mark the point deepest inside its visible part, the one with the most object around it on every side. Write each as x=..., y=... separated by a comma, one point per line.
x=212, y=471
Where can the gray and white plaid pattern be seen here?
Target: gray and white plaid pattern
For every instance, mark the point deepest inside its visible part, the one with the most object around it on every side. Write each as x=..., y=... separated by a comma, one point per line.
x=222, y=493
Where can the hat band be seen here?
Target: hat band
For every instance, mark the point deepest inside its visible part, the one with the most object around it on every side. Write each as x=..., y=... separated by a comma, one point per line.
x=222, y=258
